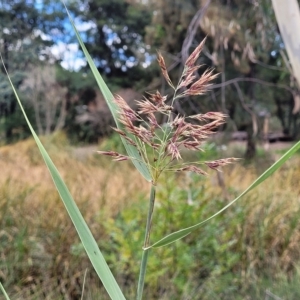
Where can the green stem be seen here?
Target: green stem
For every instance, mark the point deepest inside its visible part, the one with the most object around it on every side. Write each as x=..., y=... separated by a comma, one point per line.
x=146, y=244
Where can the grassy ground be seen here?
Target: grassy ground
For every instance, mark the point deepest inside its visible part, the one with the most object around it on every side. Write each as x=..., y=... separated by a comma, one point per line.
x=249, y=252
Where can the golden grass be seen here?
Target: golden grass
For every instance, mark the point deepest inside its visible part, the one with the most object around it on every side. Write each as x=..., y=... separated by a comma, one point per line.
x=271, y=227
x=93, y=179
x=36, y=234
x=38, y=237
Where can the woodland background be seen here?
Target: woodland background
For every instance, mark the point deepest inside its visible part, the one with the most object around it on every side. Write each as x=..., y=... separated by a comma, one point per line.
x=255, y=87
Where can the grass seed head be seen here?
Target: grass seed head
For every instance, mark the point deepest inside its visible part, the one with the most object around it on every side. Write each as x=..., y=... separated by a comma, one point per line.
x=192, y=168
x=163, y=68
x=202, y=85
x=179, y=132
x=216, y=164
x=195, y=55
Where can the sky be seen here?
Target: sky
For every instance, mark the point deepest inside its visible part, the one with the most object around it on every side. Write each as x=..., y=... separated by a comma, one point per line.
x=69, y=53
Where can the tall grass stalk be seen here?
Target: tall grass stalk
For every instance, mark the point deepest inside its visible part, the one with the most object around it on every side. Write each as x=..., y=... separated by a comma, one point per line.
x=146, y=245
x=166, y=141
x=4, y=292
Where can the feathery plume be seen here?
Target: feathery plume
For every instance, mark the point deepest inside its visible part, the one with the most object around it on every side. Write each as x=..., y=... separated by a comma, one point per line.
x=215, y=164
x=195, y=54
x=168, y=141
x=192, y=168
x=202, y=85
x=163, y=68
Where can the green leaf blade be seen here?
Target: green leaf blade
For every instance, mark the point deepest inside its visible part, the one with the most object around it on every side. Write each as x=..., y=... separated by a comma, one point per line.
x=4, y=292
x=80, y=225
x=186, y=231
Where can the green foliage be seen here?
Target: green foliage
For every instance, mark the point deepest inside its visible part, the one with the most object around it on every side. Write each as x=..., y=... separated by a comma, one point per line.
x=170, y=17
x=210, y=263
x=116, y=41
x=132, y=151
x=176, y=264
x=242, y=42
x=170, y=238
x=13, y=127
x=113, y=143
x=74, y=81
x=23, y=29
x=241, y=253
x=81, y=91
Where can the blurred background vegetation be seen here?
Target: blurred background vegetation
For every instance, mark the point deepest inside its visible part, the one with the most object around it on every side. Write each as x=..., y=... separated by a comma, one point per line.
x=249, y=252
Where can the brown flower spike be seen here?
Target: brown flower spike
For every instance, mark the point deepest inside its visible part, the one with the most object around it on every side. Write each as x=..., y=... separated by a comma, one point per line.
x=167, y=141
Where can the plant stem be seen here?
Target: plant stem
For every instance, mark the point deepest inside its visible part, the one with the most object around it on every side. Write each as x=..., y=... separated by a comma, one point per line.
x=146, y=244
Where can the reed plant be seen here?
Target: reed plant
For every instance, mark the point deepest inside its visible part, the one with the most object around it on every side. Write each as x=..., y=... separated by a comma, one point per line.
x=154, y=149
x=159, y=146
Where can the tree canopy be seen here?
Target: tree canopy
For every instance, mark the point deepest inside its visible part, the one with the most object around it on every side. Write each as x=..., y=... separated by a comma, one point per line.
x=243, y=44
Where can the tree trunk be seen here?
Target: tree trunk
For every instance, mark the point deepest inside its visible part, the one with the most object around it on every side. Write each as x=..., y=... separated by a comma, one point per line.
x=252, y=127
x=251, y=144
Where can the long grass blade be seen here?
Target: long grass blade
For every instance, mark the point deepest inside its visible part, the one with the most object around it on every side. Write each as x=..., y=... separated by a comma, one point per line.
x=83, y=230
x=4, y=292
x=186, y=231
x=131, y=150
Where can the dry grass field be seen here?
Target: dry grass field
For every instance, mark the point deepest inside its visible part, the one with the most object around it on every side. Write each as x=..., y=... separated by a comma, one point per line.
x=255, y=241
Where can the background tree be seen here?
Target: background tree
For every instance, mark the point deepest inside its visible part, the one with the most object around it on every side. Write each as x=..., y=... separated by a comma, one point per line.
x=27, y=30
x=48, y=98
x=17, y=23
x=243, y=44
x=115, y=38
